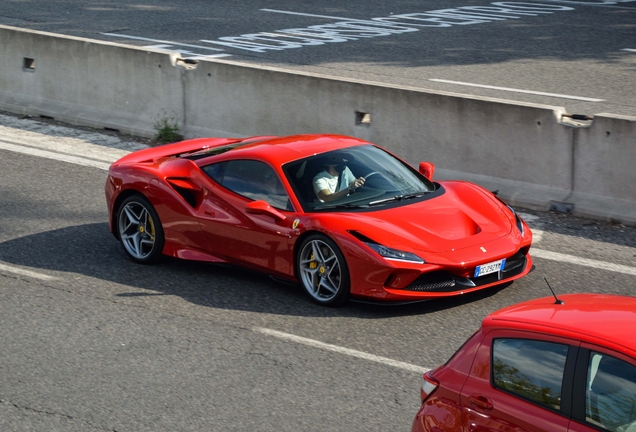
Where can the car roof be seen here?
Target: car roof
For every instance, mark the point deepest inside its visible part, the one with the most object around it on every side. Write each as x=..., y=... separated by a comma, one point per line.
x=276, y=150
x=280, y=150
x=588, y=317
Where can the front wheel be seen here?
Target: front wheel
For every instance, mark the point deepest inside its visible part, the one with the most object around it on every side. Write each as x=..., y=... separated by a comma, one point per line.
x=323, y=271
x=140, y=230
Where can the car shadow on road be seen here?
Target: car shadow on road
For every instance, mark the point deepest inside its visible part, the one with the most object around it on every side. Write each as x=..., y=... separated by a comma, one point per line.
x=90, y=250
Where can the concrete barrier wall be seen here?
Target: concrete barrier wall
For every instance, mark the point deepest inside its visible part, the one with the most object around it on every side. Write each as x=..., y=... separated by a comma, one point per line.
x=87, y=82
x=604, y=184
x=523, y=150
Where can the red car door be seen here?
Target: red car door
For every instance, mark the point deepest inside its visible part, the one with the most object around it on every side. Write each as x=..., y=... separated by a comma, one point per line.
x=239, y=231
x=515, y=384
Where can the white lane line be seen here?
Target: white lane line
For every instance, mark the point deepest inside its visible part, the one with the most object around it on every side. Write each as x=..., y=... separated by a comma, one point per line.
x=629, y=49
x=193, y=56
x=341, y=350
x=570, y=259
x=123, y=36
x=602, y=3
x=562, y=96
x=23, y=272
x=537, y=236
x=311, y=15
x=55, y=156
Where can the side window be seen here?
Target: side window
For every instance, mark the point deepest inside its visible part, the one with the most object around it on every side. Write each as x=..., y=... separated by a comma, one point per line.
x=610, y=393
x=216, y=171
x=530, y=369
x=252, y=179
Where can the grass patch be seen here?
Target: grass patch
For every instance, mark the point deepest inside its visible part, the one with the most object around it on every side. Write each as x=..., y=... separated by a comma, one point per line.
x=167, y=130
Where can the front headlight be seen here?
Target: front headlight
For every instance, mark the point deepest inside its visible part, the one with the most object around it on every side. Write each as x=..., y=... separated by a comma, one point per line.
x=394, y=254
x=518, y=220
x=387, y=252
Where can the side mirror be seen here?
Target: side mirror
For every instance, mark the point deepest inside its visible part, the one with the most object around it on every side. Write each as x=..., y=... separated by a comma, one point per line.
x=427, y=169
x=263, y=208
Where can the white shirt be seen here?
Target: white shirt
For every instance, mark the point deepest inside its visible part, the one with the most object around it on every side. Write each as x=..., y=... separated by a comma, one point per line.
x=324, y=180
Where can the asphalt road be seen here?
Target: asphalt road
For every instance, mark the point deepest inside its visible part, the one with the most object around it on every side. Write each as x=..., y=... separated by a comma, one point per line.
x=93, y=342
x=580, y=55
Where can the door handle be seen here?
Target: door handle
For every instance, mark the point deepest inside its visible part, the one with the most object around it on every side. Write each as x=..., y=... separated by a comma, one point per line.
x=480, y=401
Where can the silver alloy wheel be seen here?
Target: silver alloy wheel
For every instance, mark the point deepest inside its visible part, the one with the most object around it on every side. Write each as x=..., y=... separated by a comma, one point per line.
x=320, y=270
x=137, y=230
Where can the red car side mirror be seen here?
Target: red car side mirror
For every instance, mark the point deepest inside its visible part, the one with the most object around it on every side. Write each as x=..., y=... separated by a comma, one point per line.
x=261, y=207
x=427, y=169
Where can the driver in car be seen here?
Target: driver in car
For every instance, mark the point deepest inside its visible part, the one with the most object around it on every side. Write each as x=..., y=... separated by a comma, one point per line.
x=336, y=180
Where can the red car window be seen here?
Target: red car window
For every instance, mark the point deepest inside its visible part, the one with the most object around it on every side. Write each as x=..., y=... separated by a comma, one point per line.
x=252, y=179
x=610, y=399
x=530, y=369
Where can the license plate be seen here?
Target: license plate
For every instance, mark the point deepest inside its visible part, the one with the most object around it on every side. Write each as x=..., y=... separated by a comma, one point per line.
x=492, y=267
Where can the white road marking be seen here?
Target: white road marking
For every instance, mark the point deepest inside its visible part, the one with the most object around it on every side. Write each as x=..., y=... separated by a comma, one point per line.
x=629, y=49
x=348, y=29
x=55, y=156
x=535, y=223
x=562, y=96
x=341, y=350
x=571, y=259
x=23, y=272
x=123, y=36
x=591, y=3
x=537, y=236
x=311, y=15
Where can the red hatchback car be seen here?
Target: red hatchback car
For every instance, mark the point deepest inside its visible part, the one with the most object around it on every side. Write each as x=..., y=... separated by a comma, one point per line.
x=540, y=365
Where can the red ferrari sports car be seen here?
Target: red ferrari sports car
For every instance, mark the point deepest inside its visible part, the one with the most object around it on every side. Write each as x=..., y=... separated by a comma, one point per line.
x=341, y=216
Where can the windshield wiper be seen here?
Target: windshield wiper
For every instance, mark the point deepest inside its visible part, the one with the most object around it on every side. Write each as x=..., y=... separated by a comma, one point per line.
x=415, y=194
x=400, y=197
x=342, y=206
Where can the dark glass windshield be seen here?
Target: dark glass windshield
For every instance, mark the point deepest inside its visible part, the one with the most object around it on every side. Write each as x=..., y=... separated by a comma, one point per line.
x=386, y=179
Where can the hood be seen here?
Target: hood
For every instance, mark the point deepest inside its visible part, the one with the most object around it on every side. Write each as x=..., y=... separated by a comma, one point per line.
x=464, y=216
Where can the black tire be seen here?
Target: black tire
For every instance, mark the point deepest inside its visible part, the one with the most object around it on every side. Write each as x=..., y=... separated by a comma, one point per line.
x=140, y=230
x=322, y=270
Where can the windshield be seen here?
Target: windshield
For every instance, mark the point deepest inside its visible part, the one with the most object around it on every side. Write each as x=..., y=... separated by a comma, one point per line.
x=355, y=177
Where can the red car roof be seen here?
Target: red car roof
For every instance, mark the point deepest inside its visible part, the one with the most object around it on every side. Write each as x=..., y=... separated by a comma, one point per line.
x=280, y=150
x=588, y=317
x=277, y=150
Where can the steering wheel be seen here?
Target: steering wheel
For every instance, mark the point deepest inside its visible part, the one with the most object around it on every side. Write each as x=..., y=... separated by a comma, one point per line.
x=371, y=174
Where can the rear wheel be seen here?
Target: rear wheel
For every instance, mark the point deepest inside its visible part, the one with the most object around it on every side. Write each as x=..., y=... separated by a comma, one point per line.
x=140, y=230
x=323, y=271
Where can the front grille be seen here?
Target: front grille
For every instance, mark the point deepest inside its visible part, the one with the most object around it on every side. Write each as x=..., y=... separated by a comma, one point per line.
x=442, y=281
x=514, y=263
x=433, y=282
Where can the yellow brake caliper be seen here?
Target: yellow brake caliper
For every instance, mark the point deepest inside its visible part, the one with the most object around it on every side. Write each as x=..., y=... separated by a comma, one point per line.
x=313, y=264
x=151, y=231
